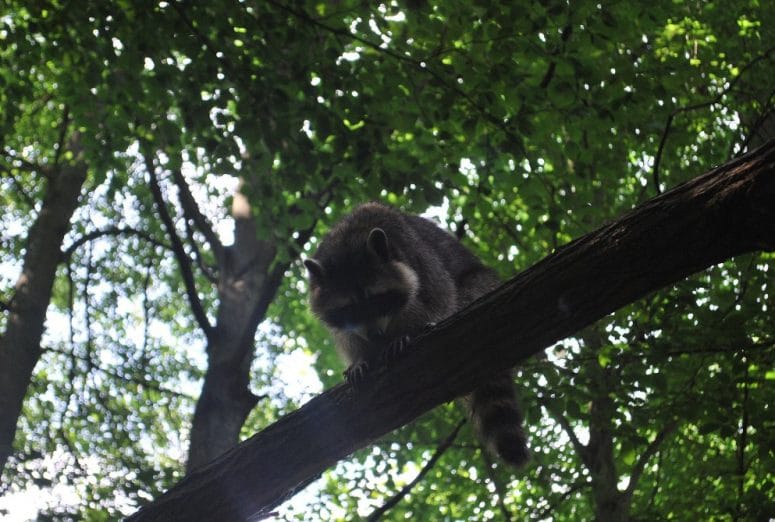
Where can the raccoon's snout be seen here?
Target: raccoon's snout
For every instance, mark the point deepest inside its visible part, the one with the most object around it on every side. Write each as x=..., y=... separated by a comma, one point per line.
x=373, y=332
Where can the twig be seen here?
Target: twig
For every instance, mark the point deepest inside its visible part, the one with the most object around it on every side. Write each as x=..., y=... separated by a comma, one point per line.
x=198, y=258
x=651, y=449
x=566, y=32
x=7, y=170
x=763, y=118
x=126, y=378
x=741, y=443
x=395, y=499
x=700, y=105
x=553, y=507
x=62, y=134
x=580, y=448
x=498, y=489
x=146, y=312
x=111, y=231
x=191, y=212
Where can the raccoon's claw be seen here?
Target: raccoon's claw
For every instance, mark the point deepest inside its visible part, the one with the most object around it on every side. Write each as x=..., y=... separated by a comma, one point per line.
x=355, y=374
x=394, y=350
x=428, y=327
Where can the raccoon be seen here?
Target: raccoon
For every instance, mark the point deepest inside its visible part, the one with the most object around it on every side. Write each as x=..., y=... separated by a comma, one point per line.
x=380, y=277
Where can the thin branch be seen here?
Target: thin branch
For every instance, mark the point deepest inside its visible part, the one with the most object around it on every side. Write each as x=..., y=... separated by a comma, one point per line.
x=741, y=443
x=395, y=499
x=73, y=451
x=441, y=51
x=753, y=131
x=184, y=262
x=152, y=385
x=69, y=383
x=191, y=212
x=657, y=482
x=547, y=79
x=565, y=496
x=146, y=311
x=507, y=515
x=26, y=165
x=29, y=200
x=724, y=349
x=87, y=317
x=111, y=231
x=70, y=314
x=700, y=105
x=206, y=270
x=62, y=134
x=580, y=448
x=651, y=449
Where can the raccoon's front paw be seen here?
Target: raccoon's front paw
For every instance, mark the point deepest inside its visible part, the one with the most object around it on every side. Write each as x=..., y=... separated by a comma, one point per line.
x=394, y=350
x=355, y=374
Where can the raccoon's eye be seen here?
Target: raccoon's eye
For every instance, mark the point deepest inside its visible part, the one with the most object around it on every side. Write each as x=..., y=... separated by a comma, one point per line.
x=387, y=303
x=349, y=313
x=359, y=312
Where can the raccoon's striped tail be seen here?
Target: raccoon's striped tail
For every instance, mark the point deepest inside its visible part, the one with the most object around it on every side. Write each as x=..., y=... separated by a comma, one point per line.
x=498, y=420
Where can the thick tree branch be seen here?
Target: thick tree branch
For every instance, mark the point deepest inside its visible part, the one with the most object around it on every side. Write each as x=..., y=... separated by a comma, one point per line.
x=723, y=213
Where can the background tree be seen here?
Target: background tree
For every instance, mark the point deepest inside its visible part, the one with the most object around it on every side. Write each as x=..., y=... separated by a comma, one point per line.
x=217, y=141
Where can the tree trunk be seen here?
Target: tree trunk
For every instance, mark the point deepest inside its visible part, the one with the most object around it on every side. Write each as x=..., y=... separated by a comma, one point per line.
x=723, y=213
x=245, y=288
x=20, y=343
x=611, y=505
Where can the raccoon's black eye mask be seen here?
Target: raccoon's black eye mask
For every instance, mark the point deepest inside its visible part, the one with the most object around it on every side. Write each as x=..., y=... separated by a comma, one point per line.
x=366, y=309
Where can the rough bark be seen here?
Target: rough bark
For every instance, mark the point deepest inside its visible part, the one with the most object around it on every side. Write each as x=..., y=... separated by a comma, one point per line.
x=248, y=277
x=718, y=215
x=246, y=286
x=20, y=343
x=611, y=505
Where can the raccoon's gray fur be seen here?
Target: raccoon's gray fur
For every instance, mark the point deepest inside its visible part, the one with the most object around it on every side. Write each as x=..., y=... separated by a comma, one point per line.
x=381, y=275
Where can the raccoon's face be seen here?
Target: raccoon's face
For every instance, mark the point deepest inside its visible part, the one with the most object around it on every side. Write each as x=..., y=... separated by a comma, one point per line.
x=362, y=291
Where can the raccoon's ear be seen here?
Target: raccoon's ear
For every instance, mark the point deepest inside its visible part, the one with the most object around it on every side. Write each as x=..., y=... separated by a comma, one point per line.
x=378, y=243
x=315, y=269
